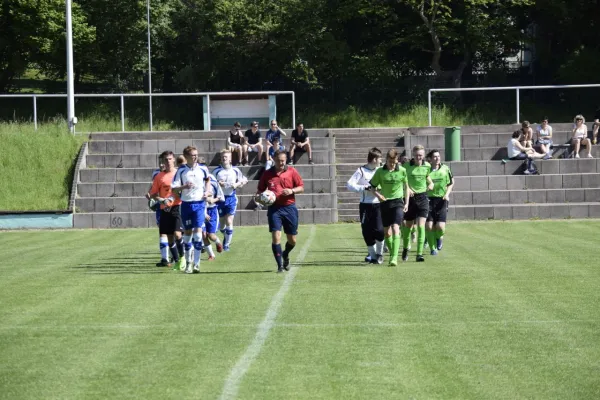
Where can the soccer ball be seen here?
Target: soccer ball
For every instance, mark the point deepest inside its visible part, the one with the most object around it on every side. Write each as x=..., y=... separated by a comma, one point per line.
x=266, y=198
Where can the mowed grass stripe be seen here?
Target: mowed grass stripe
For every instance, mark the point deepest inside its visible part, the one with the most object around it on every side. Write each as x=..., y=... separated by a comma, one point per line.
x=90, y=316
x=470, y=323
x=114, y=281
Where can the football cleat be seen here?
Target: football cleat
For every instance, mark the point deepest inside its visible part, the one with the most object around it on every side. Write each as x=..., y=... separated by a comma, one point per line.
x=379, y=259
x=286, y=261
x=434, y=252
x=226, y=247
x=440, y=244
x=420, y=258
x=368, y=259
x=219, y=248
x=163, y=263
x=196, y=269
x=405, y=255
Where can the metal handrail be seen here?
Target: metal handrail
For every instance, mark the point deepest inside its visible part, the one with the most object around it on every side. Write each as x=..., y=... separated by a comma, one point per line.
x=123, y=95
x=517, y=88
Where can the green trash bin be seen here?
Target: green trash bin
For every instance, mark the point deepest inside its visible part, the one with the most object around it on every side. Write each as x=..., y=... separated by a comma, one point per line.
x=452, y=143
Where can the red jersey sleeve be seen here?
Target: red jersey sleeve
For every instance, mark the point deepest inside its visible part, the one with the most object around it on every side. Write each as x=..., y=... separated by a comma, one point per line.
x=297, y=179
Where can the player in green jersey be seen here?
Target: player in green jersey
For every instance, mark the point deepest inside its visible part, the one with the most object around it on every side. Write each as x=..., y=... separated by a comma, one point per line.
x=443, y=182
x=392, y=180
x=419, y=183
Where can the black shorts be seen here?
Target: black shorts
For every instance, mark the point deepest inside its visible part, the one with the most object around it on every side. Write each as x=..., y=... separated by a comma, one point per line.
x=170, y=221
x=438, y=208
x=392, y=212
x=370, y=216
x=418, y=207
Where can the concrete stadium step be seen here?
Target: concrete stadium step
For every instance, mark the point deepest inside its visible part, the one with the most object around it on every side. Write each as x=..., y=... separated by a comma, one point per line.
x=516, y=182
x=362, y=153
x=512, y=182
x=525, y=196
x=116, y=175
x=139, y=189
x=471, y=129
x=138, y=204
x=170, y=135
x=211, y=158
x=177, y=145
x=481, y=168
x=524, y=211
x=147, y=219
x=500, y=153
x=477, y=140
x=508, y=212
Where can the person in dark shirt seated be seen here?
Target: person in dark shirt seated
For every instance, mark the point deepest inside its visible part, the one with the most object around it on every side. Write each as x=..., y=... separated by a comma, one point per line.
x=300, y=142
x=253, y=142
x=235, y=140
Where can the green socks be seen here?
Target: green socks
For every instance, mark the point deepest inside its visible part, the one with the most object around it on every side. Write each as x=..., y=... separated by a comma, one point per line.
x=439, y=234
x=389, y=243
x=420, y=239
x=432, y=239
x=405, y=236
x=395, y=247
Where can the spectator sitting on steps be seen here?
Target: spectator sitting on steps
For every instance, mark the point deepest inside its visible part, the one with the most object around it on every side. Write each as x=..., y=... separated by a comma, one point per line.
x=544, y=136
x=580, y=133
x=526, y=137
x=516, y=151
x=596, y=126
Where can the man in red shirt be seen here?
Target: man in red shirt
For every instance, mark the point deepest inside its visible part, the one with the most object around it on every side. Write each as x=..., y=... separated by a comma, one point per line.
x=285, y=182
x=170, y=224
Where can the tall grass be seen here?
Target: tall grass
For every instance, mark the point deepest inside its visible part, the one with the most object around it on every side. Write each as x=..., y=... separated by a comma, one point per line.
x=36, y=167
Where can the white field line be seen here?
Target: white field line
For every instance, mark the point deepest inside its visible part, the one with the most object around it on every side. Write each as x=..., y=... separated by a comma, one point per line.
x=232, y=384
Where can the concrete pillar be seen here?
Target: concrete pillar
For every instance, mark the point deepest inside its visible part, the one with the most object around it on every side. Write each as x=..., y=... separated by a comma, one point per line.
x=206, y=116
x=272, y=108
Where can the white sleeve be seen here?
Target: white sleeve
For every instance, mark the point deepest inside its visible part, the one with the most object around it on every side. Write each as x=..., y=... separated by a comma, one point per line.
x=353, y=185
x=240, y=177
x=177, y=179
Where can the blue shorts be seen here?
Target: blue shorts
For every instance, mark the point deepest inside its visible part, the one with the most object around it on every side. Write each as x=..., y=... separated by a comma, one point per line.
x=158, y=217
x=192, y=214
x=228, y=206
x=211, y=226
x=283, y=216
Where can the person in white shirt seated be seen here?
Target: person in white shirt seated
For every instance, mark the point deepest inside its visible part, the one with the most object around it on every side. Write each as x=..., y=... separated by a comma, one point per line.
x=544, y=136
x=580, y=133
x=516, y=151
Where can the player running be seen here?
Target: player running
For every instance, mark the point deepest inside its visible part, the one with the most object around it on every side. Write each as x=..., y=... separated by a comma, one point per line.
x=211, y=222
x=419, y=181
x=369, y=207
x=285, y=182
x=170, y=225
x=443, y=182
x=394, y=188
x=229, y=178
x=192, y=181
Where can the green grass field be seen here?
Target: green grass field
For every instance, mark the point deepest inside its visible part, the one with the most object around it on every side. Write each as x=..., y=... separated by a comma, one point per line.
x=506, y=311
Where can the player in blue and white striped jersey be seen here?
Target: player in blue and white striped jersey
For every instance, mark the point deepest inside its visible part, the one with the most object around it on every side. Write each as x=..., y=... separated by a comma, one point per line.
x=370, y=213
x=192, y=181
x=211, y=223
x=230, y=178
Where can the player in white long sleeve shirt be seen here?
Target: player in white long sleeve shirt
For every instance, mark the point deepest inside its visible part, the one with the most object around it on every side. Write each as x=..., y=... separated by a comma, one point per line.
x=229, y=178
x=370, y=213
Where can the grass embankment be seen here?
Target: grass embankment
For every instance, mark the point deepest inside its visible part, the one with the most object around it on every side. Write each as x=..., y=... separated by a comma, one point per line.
x=36, y=168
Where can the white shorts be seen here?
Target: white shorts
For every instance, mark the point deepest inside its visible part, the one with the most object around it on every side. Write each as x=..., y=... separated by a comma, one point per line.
x=235, y=146
x=251, y=149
